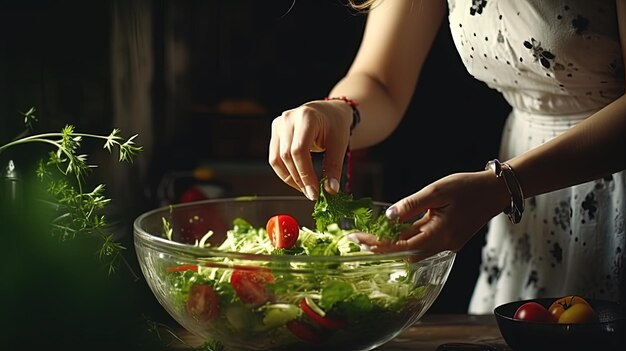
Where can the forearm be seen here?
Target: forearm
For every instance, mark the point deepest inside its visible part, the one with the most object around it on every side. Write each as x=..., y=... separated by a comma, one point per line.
x=591, y=150
x=382, y=78
x=380, y=113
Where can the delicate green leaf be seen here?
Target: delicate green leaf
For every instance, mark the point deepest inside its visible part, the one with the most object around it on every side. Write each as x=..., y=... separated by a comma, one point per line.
x=78, y=212
x=335, y=291
x=354, y=214
x=341, y=208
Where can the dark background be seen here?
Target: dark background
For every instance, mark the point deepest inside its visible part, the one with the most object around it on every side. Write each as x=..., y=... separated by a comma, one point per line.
x=220, y=72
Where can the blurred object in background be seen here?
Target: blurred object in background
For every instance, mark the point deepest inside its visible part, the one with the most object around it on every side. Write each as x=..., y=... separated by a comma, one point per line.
x=132, y=71
x=188, y=186
x=11, y=187
x=213, y=179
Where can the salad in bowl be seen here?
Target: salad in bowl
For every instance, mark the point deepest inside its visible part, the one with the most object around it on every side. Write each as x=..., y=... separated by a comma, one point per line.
x=283, y=273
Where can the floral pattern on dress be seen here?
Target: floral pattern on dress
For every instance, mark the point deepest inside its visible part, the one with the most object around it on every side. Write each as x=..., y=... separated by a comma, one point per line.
x=477, y=7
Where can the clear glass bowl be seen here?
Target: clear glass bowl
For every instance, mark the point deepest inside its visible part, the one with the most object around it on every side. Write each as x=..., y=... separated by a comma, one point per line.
x=279, y=302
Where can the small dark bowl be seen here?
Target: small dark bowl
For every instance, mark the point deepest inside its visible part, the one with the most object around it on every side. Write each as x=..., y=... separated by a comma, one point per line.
x=607, y=334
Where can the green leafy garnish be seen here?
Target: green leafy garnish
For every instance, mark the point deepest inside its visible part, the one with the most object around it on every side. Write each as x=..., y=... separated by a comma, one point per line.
x=357, y=214
x=339, y=208
x=335, y=291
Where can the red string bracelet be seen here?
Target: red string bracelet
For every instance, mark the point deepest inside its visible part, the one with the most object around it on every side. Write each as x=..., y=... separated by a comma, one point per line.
x=356, y=118
x=356, y=115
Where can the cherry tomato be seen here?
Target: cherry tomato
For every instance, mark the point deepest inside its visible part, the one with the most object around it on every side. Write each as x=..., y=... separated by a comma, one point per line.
x=324, y=321
x=203, y=302
x=283, y=231
x=533, y=312
x=572, y=309
x=250, y=285
x=305, y=331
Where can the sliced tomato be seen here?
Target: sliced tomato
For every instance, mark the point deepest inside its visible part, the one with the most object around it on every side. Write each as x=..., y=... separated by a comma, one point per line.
x=251, y=285
x=183, y=268
x=283, y=231
x=324, y=321
x=203, y=302
x=305, y=331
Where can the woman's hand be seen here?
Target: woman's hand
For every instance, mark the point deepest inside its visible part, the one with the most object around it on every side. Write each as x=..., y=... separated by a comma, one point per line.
x=317, y=126
x=454, y=208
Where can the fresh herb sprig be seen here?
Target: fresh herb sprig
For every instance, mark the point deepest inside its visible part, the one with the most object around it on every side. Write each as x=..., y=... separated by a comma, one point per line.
x=356, y=214
x=79, y=210
x=340, y=207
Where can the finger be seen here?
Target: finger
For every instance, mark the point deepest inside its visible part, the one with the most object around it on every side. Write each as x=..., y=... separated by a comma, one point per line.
x=276, y=161
x=375, y=245
x=430, y=236
x=289, y=181
x=303, y=164
x=332, y=167
x=413, y=205
x=304, y=138
x=388, y=247
x=415, y=254
x=285, y=130
x=371, y=243
x=415, y=228
x=336, y=143
x=365, y=238
x=354, y=238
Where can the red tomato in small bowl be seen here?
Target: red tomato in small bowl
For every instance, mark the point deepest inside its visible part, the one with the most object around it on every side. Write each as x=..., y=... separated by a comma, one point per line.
x=606, y=334
x=283, y=231
x=534, y=312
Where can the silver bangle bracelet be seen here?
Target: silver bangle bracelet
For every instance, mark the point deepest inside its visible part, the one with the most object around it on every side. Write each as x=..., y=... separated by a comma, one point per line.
x=503, y=170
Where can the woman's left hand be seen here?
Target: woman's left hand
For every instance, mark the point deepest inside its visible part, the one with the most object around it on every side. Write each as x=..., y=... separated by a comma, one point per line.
x=454, y=208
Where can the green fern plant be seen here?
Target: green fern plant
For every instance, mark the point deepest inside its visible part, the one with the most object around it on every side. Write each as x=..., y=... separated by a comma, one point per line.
x=78, y=211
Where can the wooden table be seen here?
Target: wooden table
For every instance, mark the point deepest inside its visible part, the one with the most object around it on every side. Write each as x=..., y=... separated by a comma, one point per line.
x=432, y=331
x=436, y=329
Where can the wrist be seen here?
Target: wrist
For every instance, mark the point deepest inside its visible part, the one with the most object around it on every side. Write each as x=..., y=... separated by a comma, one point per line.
x=507, y=177
x=496, y=192
x=356, y=114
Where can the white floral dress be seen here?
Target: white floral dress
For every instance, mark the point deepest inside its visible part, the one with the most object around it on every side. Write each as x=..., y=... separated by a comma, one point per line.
x=556, y=62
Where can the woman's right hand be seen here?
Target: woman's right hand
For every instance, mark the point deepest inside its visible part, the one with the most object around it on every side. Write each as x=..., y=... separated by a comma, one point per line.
x=316, y=126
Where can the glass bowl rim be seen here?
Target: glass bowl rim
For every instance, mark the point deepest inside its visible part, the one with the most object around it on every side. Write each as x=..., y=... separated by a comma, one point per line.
x=192, y=252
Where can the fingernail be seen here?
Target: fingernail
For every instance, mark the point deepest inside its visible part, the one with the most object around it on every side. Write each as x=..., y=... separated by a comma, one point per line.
x=364, y=247
x=391, y=213
x=333, y=184
x=352, y=237
x=310, y=193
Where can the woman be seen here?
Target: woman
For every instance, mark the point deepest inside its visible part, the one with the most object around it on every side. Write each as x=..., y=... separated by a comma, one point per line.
x=560, y=65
